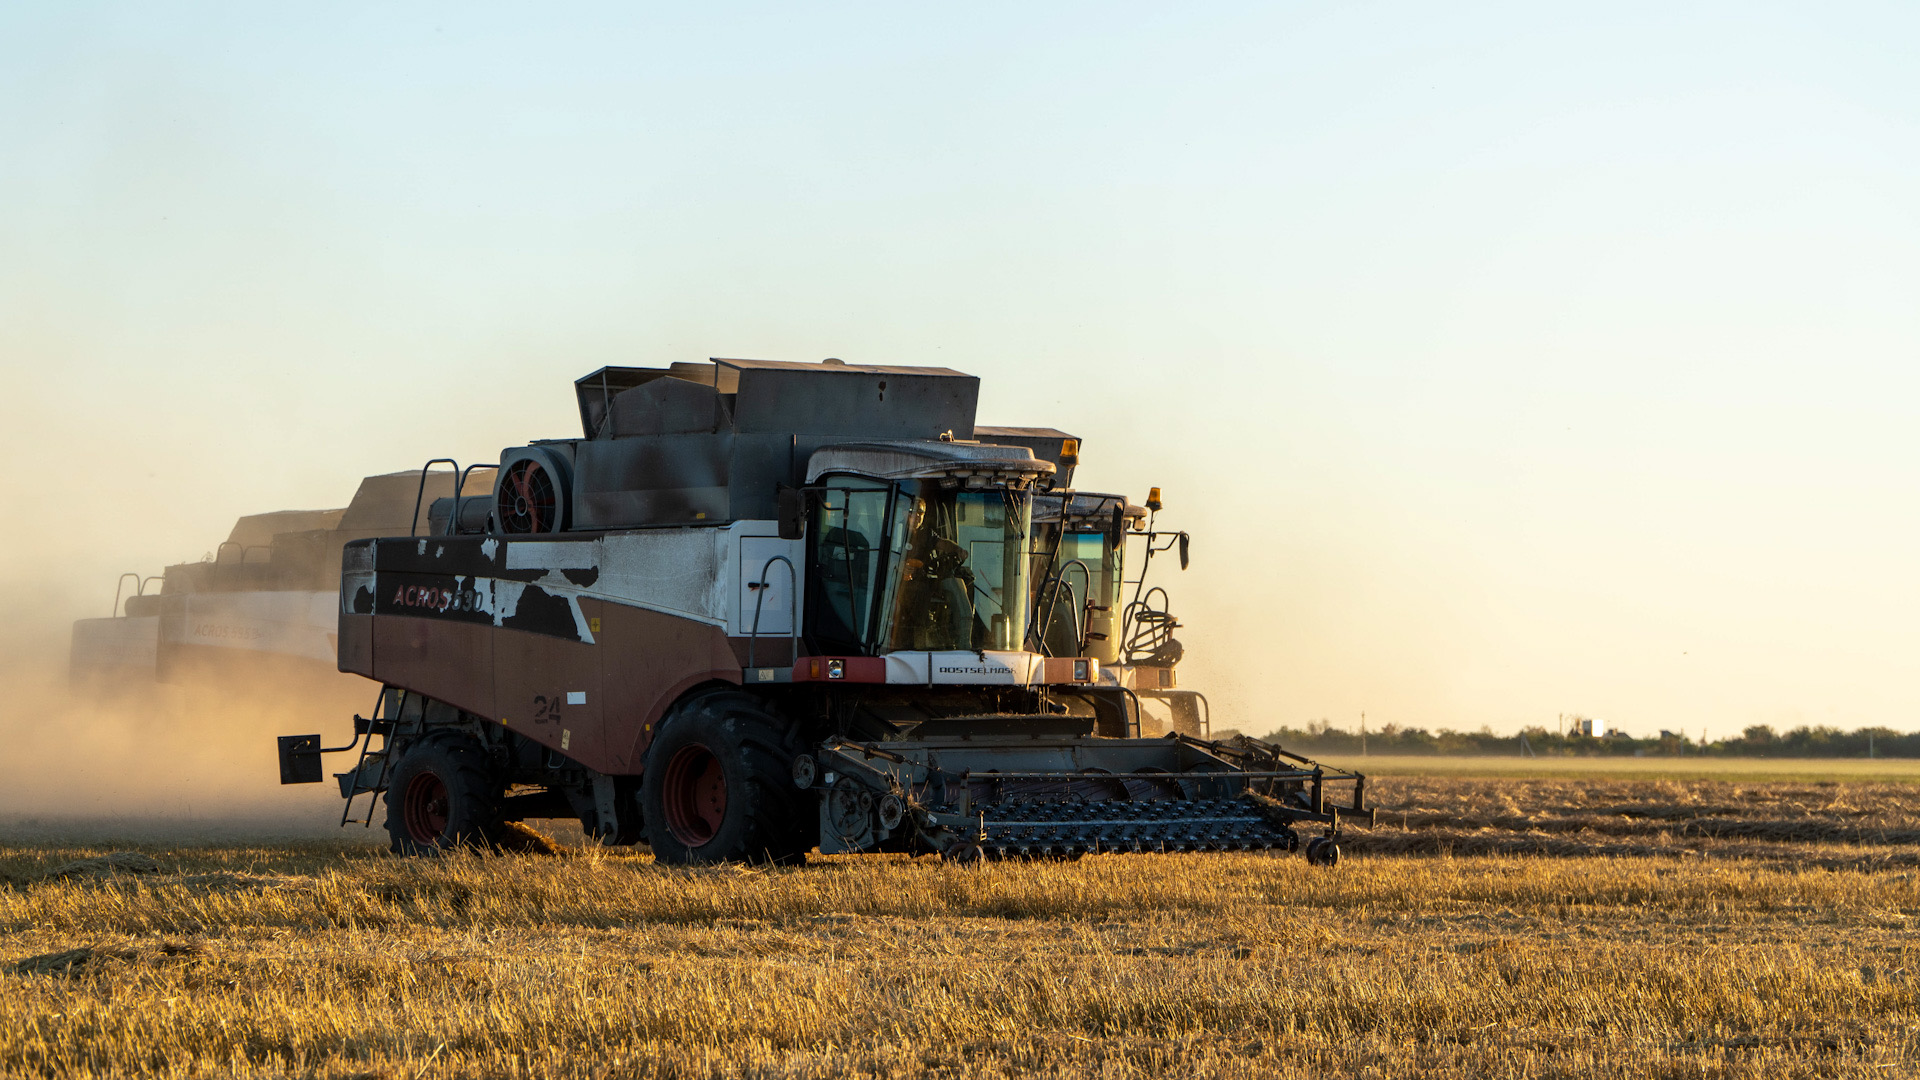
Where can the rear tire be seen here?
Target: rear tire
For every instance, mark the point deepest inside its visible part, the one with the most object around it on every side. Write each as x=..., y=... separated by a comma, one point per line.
x=442, y=795
x=718, y=785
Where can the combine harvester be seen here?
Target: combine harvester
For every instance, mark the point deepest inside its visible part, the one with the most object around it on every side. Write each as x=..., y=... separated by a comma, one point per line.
x=760, y=608
x=264, y=604
x=1080, y=602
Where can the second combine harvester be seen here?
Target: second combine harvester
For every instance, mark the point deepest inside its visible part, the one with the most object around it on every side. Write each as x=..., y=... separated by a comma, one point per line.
x=760, y=608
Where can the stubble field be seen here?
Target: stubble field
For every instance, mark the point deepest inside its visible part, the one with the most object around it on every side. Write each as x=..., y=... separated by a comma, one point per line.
x=1533, y=927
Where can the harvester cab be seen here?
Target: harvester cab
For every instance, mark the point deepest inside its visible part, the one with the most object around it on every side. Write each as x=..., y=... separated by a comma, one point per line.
x=1079, y=550
x=1084, y=602
x=760, y=607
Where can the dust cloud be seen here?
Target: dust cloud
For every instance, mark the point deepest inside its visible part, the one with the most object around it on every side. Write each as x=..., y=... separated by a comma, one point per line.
x=189, y=758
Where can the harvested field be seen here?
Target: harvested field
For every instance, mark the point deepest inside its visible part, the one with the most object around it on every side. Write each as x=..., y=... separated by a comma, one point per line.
x=1751, y=957
x=1826, y=824
x=1683, y=767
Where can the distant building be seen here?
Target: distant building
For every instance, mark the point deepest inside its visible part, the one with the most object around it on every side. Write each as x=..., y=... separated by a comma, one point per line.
x=1586, y=725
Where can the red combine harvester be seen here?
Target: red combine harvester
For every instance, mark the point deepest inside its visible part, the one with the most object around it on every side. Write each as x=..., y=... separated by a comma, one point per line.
x=760, y=608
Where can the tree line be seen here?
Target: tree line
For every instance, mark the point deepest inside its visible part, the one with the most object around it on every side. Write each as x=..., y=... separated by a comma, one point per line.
x=1760, y=740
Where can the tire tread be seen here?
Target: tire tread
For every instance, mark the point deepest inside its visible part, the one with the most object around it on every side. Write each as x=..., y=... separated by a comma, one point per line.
x=757, y=741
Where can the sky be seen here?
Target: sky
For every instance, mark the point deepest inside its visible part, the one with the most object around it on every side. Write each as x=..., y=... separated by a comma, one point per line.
x=1504, y=360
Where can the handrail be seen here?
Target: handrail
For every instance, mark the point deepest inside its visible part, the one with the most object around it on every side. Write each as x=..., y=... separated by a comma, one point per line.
x=413, y=524
x=244, y=549
x=459, y=492
x=1136, y=710
x=121, y=584
x=759, y=601
x=386, y=763
x=1059, y=581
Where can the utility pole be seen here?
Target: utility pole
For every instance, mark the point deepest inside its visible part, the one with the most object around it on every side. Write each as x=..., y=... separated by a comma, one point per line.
x=1363, y=734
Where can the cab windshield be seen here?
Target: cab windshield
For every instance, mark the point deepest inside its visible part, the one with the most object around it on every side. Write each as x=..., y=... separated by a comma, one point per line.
x=1077, y=592
x=916, y=566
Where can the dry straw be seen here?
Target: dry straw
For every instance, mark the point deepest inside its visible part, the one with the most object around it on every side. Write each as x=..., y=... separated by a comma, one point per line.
x=333, y=961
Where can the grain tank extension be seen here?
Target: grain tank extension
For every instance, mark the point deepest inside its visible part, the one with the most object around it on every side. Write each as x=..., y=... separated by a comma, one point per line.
x=759, y=608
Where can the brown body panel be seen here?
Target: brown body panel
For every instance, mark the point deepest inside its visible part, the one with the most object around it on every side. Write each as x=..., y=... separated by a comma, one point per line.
x=768, y=651
x=548, y=689
x=444, y=660
x=650, y=660
x=596, y=702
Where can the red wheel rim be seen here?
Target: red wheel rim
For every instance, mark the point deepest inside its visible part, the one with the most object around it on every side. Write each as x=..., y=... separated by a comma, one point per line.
x=424, y=808
x=694, y=790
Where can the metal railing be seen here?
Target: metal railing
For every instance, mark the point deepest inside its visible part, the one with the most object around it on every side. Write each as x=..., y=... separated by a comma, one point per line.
x=386, y=709
x=460, y=478
x=246, y=551
x=139, y=587
x=459, y=494
x=413, y=526
x=1078, y=611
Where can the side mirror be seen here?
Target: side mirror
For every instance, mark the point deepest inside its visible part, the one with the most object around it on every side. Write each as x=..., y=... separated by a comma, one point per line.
x=1183, y=551
x=1117, y=531
x=792, y=512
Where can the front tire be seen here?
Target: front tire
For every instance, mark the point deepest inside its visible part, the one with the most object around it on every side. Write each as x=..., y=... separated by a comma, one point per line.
x=442, y=795
x=718, y=785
